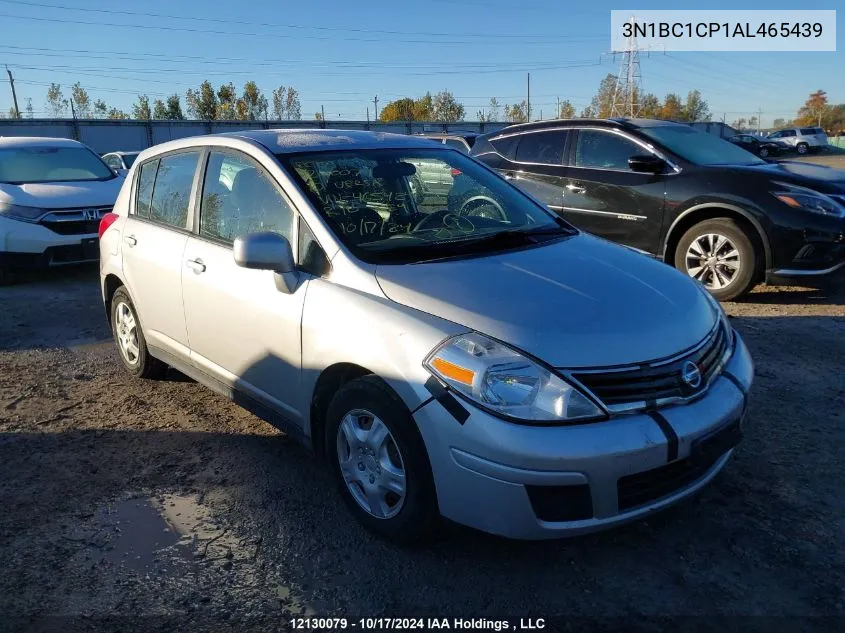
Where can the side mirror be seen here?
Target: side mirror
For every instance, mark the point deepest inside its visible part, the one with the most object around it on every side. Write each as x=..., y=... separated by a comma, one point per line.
x=268, y=251
x=647, y=164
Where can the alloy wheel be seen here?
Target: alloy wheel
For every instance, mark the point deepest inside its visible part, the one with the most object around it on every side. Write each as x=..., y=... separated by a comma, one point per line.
x=713, y=260
x=371, y=464
x=126, y=329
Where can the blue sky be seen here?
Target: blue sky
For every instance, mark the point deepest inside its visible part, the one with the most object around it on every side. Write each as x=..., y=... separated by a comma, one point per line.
x=341, y=54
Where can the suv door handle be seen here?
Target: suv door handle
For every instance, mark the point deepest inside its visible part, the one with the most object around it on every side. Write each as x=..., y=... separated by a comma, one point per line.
x=575, y=188
x=196, y=265
x=508, y=175
x=131, y=240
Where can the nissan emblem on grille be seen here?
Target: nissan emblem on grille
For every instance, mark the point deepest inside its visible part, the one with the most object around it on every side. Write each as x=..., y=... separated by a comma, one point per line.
x=691, y=374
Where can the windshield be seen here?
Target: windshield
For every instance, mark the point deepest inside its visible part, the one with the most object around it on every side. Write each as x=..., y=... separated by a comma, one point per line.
x=26, y=165
x=700, y=148
x=420, y=204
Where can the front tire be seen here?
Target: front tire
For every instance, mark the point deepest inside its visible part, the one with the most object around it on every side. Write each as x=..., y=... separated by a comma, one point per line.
x=802, y=148
x=379, y=460
x=764, y=152
x=720, y=255
x=129, y=338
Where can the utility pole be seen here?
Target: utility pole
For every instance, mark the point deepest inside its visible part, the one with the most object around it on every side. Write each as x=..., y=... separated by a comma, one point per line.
x=528, y=114
x=375, y=107
x=557, y=112
x=14, y=96
x=759, y=119
x=72, y=109
x=323, y=113
x=368, y=115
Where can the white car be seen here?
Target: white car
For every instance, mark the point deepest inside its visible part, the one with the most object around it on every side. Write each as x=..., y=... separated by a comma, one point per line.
x=802, y=139
x=53, y=193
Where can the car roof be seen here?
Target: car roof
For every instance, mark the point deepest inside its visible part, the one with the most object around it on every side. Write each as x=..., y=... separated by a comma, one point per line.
x=617, y=123
x=120, y=153
x=448, y=134
x=37, y=141
x=290, y=141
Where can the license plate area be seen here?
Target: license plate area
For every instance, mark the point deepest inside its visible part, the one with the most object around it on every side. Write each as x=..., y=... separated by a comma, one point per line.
x=91, y=248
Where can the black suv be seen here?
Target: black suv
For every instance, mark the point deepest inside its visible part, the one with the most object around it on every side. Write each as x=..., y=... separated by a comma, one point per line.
x=714, y=210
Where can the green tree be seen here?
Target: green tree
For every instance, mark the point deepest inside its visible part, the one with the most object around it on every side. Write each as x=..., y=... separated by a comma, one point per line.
x=159, y=109
x=740, y=124
x=752, y=123
x=293, y=107
x=588, y=112
x=226, y=99
x=56, y=103
x=649, y=106
x=255, y=101
x=424, y=108
x=494, y=109
x=778, y=123
x=279, y=102
x=602, y=102
x=174, y=108
x=101, y=110
x=29, y=111
x=445, y=108
x=696, y=108
x=517, y=113
x=202, y=103
x=81, y=101
x=812, y=112
x=141, y=109
x=318, y=116
x=672, y=109
x=567, y=110
x=114, y=113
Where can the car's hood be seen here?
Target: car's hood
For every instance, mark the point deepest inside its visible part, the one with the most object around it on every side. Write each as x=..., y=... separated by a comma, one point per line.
x=580, y=302
x=803, y=174
x=63, y=195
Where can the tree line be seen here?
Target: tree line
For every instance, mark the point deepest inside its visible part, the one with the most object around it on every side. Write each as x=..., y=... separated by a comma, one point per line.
x=817, y=112
x=203, y=103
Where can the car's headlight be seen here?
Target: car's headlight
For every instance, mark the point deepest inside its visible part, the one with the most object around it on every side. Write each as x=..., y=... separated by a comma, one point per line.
x=504, y=381
x=18, y=212
x=812, y=201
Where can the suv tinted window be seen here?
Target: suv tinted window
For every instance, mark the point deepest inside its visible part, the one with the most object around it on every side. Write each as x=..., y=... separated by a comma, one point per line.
x=788, y=133
x=542, y=147
x=605, y=150
x=240, y=197
x=146, y=180
x=809, y=130
x=505, y=146
x=172, y=189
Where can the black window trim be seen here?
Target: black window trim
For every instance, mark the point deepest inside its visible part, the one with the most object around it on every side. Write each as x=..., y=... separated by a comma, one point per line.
x=133, y=211
x=648, y=147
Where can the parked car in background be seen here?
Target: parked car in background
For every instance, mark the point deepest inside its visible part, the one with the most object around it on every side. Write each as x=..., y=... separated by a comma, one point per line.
x=433, y=180
x=762, y=147
x=461, y=141
x=710, y=208
x=120, y=162
x=53, y=193
x=803, y=139
x=514, y=374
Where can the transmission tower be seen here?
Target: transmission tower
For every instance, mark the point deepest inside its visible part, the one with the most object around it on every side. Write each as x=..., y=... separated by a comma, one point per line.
x=626, y=94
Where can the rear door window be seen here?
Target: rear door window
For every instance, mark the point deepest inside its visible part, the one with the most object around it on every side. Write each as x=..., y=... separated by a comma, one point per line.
x=788, y=133
x=146, y=180
x=545, y=148
x=172, y=189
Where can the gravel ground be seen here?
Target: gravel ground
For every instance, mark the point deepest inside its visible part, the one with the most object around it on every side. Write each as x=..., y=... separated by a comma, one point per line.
x=133, y=505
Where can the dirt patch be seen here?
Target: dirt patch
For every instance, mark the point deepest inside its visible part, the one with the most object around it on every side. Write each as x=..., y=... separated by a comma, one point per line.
x=135, y=505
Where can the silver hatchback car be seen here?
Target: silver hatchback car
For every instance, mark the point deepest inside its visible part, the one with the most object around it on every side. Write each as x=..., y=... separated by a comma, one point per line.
x=503, y=370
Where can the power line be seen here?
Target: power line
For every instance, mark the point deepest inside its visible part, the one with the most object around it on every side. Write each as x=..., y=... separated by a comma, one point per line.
x=195, y=18
x=491, y=42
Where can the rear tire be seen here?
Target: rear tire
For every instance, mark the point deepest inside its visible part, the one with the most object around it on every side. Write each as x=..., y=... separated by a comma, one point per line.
x=368, y=477
x=129, y=338
x=721, y=256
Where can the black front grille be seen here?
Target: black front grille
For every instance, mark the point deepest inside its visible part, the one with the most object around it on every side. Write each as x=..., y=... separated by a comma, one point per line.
x=641, y=488
x=656, y=381
x=81, y=227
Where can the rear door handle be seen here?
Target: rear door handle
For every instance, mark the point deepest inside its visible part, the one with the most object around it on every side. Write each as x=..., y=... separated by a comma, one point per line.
x=131, y=240
x=575, y=188
x=196, y=265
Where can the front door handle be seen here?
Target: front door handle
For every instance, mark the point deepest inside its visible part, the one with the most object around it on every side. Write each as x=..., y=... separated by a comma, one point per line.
x=508, y=175
x=576, y=188
x=131, y=240
x=196, y=265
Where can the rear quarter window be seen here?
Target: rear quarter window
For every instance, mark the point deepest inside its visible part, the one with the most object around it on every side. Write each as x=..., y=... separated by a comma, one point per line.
x=505, y=146
x=146, y=180
x=809, y=130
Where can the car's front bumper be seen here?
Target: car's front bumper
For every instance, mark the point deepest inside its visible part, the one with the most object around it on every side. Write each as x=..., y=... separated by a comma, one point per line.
x=25, y=245
x=537, y=482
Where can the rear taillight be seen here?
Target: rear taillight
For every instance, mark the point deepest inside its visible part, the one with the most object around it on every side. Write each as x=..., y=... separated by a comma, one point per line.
x=456, y=172
x=105, y=222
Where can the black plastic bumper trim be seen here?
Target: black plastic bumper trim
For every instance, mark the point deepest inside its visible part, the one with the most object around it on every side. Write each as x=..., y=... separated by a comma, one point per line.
x=669, y=432
x=446, y=399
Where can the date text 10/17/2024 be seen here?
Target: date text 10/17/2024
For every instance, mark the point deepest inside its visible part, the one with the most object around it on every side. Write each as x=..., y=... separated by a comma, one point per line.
x=417, y=624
